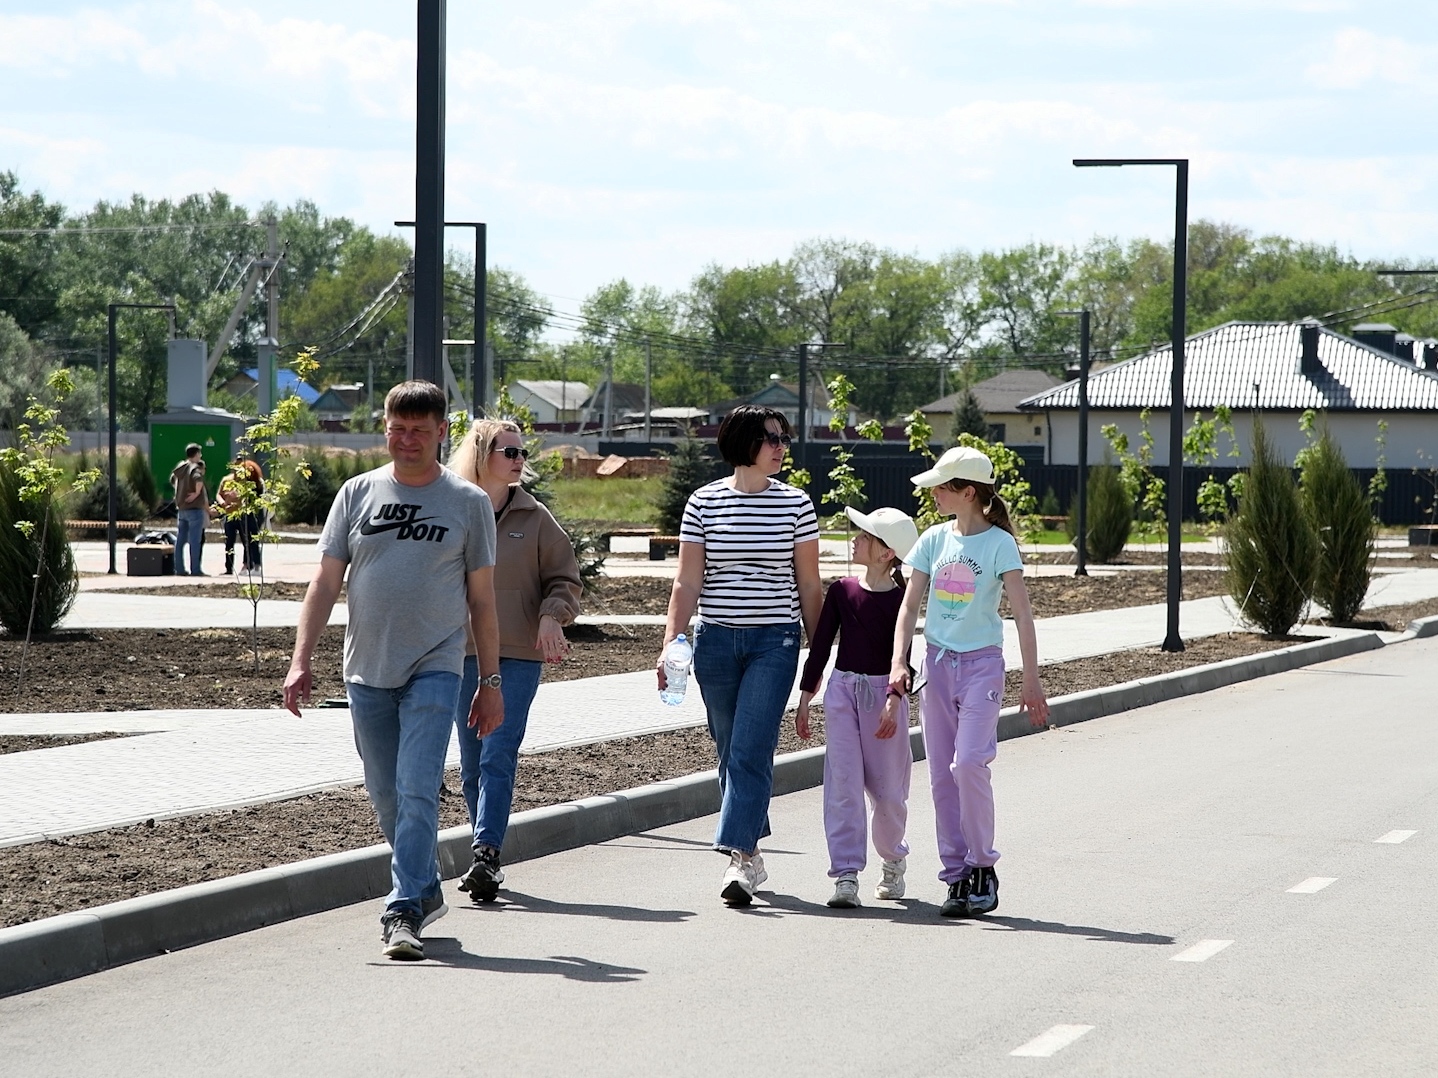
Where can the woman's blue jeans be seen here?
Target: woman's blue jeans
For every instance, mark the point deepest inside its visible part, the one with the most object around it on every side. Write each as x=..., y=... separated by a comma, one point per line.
x=402, y=736
x=488, y=764
x=745, y=677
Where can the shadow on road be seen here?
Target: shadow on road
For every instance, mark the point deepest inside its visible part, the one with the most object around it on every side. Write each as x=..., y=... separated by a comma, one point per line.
x=519, y=902
x=1104, y=935
x=445, y=951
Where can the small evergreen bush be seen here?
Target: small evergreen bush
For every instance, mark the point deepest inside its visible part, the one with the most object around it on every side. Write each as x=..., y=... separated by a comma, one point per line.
x=1110, y=514
x=307, y=499
x=92, y=501
x=1050, y=507
x=689, y=469
x=1271, y=551
x=142, y=481
x=969, y=418
x=20, y=560
x=1338, y=510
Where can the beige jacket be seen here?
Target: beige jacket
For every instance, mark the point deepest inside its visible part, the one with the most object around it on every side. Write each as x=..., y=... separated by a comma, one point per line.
x=535, y=573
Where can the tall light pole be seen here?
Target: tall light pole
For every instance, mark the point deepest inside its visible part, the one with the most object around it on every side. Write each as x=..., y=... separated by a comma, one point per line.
x=1081, y=539
x=482, y=385
x=1173, y=641
x=113, y=312
x=429, y=190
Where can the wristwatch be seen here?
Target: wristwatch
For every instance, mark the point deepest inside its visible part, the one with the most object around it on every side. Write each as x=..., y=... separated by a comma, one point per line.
x=491, y=682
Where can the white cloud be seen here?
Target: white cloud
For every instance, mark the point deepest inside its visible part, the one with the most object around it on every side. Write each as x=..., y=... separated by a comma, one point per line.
x=1357, y=56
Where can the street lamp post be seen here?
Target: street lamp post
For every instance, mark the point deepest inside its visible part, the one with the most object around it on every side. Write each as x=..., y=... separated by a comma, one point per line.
x=429, y=190
x=113, y=311
x=1173, y=641
x=1081, y=539
x=481, y=387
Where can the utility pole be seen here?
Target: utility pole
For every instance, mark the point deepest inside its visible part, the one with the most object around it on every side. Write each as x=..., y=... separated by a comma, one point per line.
x=369, y=392
x=112, y=313
x=608, y=391
x=428, y=301
x=1081, y=539
x=801, y=457
x=648, y=379
x=409, y=324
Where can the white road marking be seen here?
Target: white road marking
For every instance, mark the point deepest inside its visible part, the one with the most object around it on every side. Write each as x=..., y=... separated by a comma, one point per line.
x=1047, y=1043
x=1312, y=885
x=1201, y=951
x=1395, y=837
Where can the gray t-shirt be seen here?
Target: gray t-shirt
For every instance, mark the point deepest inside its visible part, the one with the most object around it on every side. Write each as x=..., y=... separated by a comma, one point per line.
x=408, y=550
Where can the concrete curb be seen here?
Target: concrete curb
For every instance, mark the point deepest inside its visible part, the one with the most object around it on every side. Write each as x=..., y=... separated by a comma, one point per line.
x=1421, y=628
x=73, y=944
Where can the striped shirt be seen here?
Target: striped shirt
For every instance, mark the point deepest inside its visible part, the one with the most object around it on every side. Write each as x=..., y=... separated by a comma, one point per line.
x=749, y=544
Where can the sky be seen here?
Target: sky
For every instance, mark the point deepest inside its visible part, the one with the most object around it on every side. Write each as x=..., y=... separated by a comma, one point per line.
x=649, y=138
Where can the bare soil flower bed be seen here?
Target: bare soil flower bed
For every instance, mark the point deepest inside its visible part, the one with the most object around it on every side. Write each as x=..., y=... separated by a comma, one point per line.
x=59, y=875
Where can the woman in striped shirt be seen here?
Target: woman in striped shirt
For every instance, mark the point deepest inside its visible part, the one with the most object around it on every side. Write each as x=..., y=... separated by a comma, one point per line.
x=749, y=561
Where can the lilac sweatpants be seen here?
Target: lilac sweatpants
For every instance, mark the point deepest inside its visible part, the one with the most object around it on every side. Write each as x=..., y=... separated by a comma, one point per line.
x=855, y=761
x=959, y=708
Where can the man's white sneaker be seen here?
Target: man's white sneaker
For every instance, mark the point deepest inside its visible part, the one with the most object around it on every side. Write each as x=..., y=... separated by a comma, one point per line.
x=760, y=875
x=892, y=885
x=846, y=893
x=739, y=882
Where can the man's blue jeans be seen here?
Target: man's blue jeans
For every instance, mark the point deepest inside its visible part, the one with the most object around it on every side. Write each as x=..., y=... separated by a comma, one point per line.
x=402, y=736
x=745, y=676
x=489, y=763
x=189, y=534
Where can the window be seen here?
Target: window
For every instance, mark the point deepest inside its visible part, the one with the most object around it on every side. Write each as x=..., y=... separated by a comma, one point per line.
x=996, y=432
x=1038, y=431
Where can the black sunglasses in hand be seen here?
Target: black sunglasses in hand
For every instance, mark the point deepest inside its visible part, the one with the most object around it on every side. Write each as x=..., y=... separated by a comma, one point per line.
x=513, y=452
x=777, y=440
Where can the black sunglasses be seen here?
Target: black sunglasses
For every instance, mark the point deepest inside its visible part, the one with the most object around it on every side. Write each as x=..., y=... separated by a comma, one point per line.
x=513, y=452
x=776, y=440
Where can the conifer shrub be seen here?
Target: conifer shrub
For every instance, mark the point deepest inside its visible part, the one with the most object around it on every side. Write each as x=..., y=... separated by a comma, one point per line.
x=969, y=417
x=92, y=501
x=1110, y=514
x=690, y=467
x=307, y=499
x=1270, y=549
x=21, y=558
x=1338, y=510
x=142, y=481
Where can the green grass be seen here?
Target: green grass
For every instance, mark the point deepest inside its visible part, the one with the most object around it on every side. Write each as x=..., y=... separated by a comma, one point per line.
x=1051, y=537
x=630, y=501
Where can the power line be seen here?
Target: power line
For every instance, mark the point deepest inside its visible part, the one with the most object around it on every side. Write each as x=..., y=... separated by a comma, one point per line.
x=64, y=230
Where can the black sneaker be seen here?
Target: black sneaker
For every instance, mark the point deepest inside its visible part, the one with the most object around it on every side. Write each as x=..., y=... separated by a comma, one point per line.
x=957, y=904
x=432, y=909
x=484, y=876
x=401, y=936
x=983, y=891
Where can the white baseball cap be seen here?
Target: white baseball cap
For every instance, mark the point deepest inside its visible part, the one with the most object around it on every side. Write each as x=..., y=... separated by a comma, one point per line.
x=896, y=529
x=960, y=462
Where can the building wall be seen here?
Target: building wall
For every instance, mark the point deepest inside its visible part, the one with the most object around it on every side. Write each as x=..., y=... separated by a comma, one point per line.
x=1018, y=427
x=1408, y=434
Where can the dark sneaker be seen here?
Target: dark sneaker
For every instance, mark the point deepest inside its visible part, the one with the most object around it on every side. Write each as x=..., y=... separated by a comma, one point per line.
x=482, y=880
x=957, y=904
x=401, y=936
x=983, y=891
x=432, y=909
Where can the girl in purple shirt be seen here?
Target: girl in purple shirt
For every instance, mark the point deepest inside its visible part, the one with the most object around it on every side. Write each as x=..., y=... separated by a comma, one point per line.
x=867, y=748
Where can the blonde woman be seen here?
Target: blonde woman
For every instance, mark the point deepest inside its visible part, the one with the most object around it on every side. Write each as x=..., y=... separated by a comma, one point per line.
x=536, y=589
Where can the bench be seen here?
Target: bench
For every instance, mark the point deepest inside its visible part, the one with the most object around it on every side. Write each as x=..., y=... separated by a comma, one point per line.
x=85, y=529
x=660, y=545
x=626, y=533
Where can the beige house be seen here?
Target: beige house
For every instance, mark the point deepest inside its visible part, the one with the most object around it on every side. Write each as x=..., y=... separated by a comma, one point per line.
x=999, y=397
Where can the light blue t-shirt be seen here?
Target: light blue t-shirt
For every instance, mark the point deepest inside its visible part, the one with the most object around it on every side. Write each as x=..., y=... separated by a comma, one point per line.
x=964, y=584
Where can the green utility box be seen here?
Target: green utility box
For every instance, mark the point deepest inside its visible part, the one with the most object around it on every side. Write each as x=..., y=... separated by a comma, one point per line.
x=216, y=431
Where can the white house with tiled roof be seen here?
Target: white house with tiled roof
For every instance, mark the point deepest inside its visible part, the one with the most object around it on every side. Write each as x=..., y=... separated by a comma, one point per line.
x=1280, y=368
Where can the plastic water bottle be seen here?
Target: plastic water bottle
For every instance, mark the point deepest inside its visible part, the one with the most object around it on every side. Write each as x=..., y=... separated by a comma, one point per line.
x=677, y=657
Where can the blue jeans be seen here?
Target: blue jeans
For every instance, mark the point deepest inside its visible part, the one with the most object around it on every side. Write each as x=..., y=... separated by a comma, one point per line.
x=402, y=735
x=745, y=676
x=488, y=764
x=189, y=534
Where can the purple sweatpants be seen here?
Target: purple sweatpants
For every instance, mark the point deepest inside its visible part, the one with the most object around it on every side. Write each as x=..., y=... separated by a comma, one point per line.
x=855, y=761
x=959, y=708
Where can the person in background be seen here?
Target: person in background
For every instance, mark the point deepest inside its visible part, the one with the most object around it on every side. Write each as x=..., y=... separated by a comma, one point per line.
x=537, y=589
x=866, y=722
x=749, y=561
x=191, y=510
x=963, y=567
x=244, y=527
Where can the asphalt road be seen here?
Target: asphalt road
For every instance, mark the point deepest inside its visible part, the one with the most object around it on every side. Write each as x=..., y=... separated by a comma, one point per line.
x=1130, y=843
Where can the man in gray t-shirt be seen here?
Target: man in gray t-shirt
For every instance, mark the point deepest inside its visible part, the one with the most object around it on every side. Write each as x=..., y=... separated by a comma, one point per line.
x=418, y=542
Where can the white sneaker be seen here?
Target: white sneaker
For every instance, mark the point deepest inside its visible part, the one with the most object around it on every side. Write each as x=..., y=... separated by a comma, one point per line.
x=846, y=893
x=738, y=880
x=760, y=875
x=892, y=885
